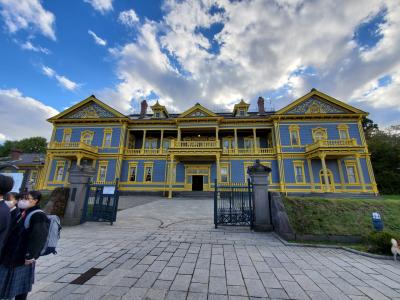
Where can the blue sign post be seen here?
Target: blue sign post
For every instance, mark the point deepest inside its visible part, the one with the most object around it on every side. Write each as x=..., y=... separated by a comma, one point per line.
x=377, y=221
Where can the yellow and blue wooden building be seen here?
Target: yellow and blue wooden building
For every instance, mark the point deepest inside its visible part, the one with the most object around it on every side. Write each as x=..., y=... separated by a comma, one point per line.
x=314, y=145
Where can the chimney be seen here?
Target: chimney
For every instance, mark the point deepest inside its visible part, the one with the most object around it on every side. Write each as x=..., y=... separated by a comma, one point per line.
x=260, y=102
x=15, y=154
x=143, y=109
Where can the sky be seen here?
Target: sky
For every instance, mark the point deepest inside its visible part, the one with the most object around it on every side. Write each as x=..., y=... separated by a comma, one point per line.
x=54, y=54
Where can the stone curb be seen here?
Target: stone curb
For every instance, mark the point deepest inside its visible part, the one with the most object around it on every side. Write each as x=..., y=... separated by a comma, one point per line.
x=370, y=255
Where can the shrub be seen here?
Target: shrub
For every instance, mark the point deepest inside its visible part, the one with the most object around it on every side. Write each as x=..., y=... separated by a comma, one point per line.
x=379, y=242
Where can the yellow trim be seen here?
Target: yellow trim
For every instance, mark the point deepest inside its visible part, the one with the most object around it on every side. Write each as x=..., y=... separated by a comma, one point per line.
x=102, y=163
x=83, y=103
x=323, y=96
x=147, y=165
x=83, y=133
x=329, y=174
x=65, y=132
x=296, y=164
x=105, y=133
x=294, y=129
x=354, y=165
x=227, y=167
x=60, y=164
x=198, y=106
x=321, y=130
x=311, y=173
x=132, y=165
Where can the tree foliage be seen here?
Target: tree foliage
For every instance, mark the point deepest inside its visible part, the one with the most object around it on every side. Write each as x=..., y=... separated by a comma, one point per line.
x=384, y=146
x=28, y=145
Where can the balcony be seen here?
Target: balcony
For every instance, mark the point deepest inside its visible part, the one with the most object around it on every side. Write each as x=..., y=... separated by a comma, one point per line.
x=248, y=151
x=195, y=144
x=338, y=147
x=145, y=151
x=73, y=146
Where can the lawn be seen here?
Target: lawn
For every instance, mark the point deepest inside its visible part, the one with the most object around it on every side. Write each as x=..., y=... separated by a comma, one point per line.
x=342, y=216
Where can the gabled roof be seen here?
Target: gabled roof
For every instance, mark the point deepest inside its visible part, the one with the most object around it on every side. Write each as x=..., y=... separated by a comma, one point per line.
x=304, y=104
x=190, y=113
x=88, y=109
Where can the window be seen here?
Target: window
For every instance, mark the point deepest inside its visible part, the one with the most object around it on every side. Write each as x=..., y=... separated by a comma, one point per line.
x=102, y=172
x=351, y=172
x=107, y=138
x=148, y=172
x=87, y=137
x=249, y=142
x=319, y=134
x=343, y=132
x=242, y=113
x=132, y=172
x=299, y=171
x=166, y=143
x=34, y=176
x=224, y=173
x=151, y=143
x=228, y=143
x=294, y=135
x=157, y=114
x=59, y=173
x=67, y=135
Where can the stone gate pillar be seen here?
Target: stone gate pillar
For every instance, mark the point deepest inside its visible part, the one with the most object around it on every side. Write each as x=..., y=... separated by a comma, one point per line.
x=79, y=176
x=259, y=175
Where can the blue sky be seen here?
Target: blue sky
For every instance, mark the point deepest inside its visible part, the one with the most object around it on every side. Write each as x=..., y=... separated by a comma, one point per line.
x=56, y=53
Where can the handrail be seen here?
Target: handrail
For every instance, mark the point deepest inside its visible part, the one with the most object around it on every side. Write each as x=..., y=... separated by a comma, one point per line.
x=332, y=143
x=195, y=144
x=73, y=145
x=141, y=151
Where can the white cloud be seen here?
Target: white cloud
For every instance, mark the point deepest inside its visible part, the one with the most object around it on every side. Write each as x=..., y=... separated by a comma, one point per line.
x=62, y=80
x=128, y=18
x=28, y=117
x=97, y=39
x=102, y=6
x=261, y=48
x=27, y=14
x=29, y=46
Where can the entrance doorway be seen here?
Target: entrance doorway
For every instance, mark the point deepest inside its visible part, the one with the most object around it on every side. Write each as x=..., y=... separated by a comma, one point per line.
x=197, y=183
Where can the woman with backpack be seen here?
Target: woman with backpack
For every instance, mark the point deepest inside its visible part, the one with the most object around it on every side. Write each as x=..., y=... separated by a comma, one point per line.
x=22, y=248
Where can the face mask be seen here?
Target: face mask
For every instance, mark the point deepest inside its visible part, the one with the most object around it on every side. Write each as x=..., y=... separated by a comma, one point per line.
x=10, y=204
x=23, y=204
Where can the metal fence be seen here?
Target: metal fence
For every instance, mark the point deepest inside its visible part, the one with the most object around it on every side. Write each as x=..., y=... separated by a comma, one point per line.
x=101, y=203
x=233, y=204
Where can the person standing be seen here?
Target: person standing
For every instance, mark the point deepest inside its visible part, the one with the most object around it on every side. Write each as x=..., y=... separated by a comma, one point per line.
x=6, y=185
x=12, y=203
x=23, y=247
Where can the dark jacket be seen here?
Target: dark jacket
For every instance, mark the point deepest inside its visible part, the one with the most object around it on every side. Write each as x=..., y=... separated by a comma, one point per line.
x=4, y=223
x=26, y=243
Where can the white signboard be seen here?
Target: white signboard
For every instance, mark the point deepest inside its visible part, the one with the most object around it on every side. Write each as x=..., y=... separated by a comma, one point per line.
x=109, y=190
x=18, y=178
x=376, y=216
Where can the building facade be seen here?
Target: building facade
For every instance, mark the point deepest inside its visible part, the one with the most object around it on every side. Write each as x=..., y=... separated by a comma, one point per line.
x=314, y=145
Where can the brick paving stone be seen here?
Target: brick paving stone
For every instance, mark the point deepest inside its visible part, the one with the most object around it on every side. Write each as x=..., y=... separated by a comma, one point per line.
x=234, y=278
x=197, y=296
x=147, y=280
x=176, y=295
x=237, y=290
x=181, y=283
x=190, y=259
x=168, y=273
x=217, y=285
x=255, y=288
x=217, y=270
x=197, y=287
x=294, y=290
x=135, y=294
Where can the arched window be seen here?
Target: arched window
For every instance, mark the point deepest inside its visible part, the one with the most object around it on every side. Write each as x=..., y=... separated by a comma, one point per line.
x=319, y=134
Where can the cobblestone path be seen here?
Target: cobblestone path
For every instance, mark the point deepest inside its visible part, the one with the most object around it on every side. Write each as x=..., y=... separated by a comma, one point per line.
x=168, y=249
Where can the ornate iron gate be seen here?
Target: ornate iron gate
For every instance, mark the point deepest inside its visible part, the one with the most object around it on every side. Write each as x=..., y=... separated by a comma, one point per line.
x=101, y=203
x=233, y=204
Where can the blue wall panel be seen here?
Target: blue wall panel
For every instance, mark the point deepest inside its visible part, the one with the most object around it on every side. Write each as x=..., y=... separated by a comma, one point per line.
x=364, y=168
x=237, y=171
x=159, y=170
x=180, y=172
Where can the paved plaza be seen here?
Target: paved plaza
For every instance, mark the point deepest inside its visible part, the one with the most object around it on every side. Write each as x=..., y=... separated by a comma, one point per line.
x=169, y=249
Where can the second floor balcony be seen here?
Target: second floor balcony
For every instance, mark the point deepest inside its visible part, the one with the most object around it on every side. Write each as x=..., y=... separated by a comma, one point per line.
x=72, y=146
x=334, y=147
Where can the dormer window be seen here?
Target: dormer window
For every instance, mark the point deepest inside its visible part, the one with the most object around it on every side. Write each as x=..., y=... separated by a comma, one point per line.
x=240, y=109
x=159, y=111
x=157, y=114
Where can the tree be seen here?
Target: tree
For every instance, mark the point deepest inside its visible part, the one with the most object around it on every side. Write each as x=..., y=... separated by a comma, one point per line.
x=28, y=145
x=384, y=147
x=369, y=127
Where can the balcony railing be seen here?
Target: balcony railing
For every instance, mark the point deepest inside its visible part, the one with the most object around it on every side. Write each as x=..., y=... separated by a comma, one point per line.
x=195, y=144
x=332, y=144
x=145, y=151
x=73, y=146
